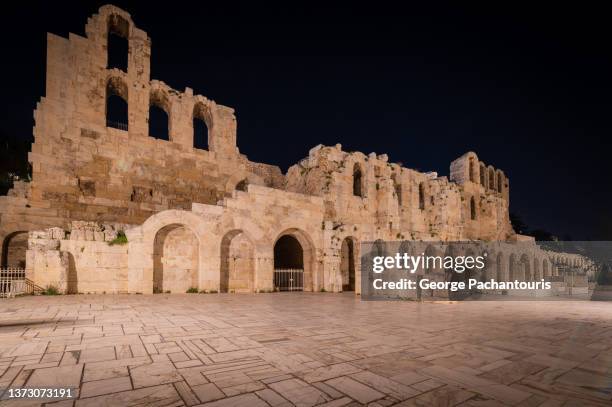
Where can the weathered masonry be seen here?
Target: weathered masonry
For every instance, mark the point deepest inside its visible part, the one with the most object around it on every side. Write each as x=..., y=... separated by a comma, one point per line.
x=117, y=152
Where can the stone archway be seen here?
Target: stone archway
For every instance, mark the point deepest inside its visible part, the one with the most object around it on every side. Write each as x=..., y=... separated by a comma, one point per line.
x=293, y=250
x=545, y=270
x=237, y=263
x=501, y=274
x=513, y=268
x=175, y=259
x=525, y=268
x=14, y=249
x=348, y=261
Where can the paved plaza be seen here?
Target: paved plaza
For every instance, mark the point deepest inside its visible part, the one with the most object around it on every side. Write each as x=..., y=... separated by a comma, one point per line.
x=305, y=349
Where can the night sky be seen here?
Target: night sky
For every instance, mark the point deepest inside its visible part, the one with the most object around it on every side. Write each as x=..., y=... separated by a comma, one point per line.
x=528, y=89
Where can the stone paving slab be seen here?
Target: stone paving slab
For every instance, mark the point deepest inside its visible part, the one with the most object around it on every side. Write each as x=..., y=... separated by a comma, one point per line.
x=305, y=349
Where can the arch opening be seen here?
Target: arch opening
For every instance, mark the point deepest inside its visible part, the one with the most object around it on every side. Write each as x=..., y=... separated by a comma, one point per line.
x=347, y=264
x=159, y=116
x=293, y=261
x=545, y=269
x=201, y=126
x=500, y=264
x=116, y=108
x=398, y=189
x=513, y=268
x=243, y=185
x=482, y=175
x=472, y=174
x=117, y=45
x=421, y=196
x=491, y=179
x=175, y=259
x=525, y=269
x=237, y=263
x=472, y=208
x=14, y=249
x=357, y=181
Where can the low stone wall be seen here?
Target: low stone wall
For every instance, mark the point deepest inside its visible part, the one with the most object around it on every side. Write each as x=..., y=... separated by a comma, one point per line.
x=84, y=260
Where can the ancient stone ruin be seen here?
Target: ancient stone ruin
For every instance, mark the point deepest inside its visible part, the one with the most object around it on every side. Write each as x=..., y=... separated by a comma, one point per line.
x=113, y=208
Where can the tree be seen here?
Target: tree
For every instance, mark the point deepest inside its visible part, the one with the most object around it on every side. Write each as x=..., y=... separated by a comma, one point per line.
x=13, y=160
x=517, y=223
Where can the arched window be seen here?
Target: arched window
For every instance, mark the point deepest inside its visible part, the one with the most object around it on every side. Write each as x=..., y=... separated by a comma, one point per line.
x=116, y=104
x=472, y=208
x=242, y=185
x=159, y=108
x=201, y=118
x=499, y=182
x=421, y=196
x=491, y=179
x=357, y=181
x=483, y=175
x=117, y=43
x=398, y=189
x=471, y=170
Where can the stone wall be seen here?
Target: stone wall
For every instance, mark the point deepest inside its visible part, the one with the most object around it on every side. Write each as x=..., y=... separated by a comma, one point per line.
x=81, y=261
x=401, y=202
x=209, y=217
x=85, y=169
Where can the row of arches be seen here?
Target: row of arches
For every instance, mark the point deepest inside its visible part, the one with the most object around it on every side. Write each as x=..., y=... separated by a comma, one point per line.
x=359, y=187
x=117, y=107
x=176, y=265
x=499, y=265
x=488, y=177
x=117, y=45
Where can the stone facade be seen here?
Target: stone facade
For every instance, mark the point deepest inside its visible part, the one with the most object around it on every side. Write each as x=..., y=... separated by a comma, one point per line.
x=207, y=219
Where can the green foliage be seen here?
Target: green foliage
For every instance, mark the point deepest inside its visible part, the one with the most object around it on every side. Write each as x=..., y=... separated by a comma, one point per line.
x=51, y=290
x=192, y=290
x=120, y=239
x=323, y=290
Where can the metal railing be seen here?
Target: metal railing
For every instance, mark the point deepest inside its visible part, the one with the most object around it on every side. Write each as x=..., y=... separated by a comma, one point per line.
x=117, y=125
x=289, y=279
x=12, y=280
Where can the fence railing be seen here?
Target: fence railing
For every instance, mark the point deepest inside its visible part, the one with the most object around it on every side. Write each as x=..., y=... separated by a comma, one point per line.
x=289, y=279
x=117, y=125
x=13, y=282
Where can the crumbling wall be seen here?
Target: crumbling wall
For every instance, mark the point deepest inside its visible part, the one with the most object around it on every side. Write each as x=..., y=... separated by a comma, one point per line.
x=403, y=203
x=81, y=260
x=86, y=167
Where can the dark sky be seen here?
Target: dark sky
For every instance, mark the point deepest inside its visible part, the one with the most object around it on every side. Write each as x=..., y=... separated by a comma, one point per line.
x=528, y=89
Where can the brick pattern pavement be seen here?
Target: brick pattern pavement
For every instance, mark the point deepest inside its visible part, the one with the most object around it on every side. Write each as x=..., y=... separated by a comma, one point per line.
x=304, y=349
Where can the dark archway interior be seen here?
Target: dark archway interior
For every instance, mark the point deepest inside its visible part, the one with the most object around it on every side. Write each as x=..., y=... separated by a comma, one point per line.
x=200, y=134
x=117, y=52
x=242, y=185
x=357, y=189
x=348, y=265
x=14, y=250
x=421, y=196
x=117, y=43
x=116, y=112
x=158, y=123
x=472, y=208
x=288, y=253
